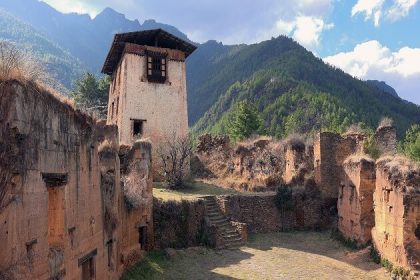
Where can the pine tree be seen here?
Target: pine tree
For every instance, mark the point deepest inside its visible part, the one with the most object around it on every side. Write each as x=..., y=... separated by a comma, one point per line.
x=411, y=143
x=91, y=93
x=245, y=120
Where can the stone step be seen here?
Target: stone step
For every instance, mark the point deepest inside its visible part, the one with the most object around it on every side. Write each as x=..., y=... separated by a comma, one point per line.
x=218, y=220
x=213, y=213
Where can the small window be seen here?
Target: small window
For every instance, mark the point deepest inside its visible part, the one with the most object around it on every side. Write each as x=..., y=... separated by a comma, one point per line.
x=156, y=67
x=138, y=126
x=112, y=110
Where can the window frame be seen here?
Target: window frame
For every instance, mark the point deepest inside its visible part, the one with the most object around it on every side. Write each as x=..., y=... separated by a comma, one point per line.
x=156, y=67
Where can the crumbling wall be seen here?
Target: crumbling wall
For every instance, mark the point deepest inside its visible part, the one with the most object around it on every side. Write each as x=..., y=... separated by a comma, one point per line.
x=179, y=224
x=355, y=199
x=136, y=213
x=397, y=212
x=299, y=162
x=261, y=214
x=253, y=166
x=386, y=139
x=330, y=151
x=55, y=217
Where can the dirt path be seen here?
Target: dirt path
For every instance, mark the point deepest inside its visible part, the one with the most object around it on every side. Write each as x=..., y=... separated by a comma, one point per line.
x=275, y=256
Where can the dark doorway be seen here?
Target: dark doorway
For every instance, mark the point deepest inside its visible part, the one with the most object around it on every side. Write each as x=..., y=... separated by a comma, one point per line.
x=143, y=237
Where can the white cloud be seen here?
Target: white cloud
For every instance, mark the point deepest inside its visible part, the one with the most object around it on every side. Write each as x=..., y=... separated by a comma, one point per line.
x=304, y=29
x=375, y=9
x=371, y=60
x=400, y=9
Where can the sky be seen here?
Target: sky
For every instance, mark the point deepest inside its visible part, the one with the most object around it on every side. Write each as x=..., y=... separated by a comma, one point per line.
x=369, y=39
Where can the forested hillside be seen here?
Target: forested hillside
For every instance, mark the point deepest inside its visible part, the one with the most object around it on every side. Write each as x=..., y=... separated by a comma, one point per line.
x=85, y=38
x=59, y=63
x=292, y=89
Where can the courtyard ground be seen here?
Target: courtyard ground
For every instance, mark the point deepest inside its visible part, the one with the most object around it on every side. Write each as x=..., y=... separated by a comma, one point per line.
x=293, y=255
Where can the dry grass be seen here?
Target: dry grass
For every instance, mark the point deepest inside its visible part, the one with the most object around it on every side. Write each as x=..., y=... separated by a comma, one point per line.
x=385, y=122
x=398, y=165
x=356, y=158
x=355, y=129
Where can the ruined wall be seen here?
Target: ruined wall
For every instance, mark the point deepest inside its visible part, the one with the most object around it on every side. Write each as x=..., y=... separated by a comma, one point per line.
x=53, y=221
x=355, y=200
x=299, y=162
x=112, y=196
x=261, y=214
x=179, y=224
x=253, y=166
x=66, y=212
x=396, y=234
x=162, y=106
x=386, y=139
x=330, y=151
x=136, y=211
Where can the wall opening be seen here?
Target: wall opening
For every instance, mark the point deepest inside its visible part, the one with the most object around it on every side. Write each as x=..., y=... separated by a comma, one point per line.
x=109, y=251
x=143, y=237
x=417, y=231
x=88, y=266
x=138, y=127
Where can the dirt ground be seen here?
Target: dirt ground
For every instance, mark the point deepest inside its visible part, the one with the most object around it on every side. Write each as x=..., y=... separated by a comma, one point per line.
x=294, y=255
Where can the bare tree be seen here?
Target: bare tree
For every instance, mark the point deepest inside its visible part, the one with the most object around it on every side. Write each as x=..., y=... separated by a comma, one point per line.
x=174, y=155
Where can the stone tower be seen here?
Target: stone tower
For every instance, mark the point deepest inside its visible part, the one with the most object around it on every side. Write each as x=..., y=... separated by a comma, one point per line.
x=148, y=94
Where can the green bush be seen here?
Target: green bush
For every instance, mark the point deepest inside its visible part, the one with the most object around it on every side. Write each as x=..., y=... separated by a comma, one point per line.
x=411, y=144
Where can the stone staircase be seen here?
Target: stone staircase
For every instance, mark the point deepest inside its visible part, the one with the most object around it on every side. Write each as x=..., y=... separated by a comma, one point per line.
x=229, y=238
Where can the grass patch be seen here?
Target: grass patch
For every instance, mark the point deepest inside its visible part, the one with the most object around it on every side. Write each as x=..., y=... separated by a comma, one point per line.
x=151, y=266
x=191, y=191
x=348, y=243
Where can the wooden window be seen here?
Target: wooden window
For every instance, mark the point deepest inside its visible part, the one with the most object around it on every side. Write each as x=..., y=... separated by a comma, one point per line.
x=156, y=67
x=88, y=265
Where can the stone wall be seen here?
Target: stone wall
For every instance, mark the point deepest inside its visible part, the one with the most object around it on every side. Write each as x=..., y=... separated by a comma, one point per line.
x=355, y=202
x=330, y=151
x=256, y=165
x=179, y=224
x=299, y=162
x=396, y=234
x=137, y=209
x=53, y=221
x=261, y=214
x=62, y=204
x=386, y=139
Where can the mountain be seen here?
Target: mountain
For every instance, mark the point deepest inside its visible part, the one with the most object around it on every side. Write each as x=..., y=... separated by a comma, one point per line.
x=59, y=63
x=293, y=90
x=85, y=38
x=381, y=85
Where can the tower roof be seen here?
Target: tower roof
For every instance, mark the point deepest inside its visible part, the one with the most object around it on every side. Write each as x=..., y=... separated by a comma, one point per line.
x=155, y=37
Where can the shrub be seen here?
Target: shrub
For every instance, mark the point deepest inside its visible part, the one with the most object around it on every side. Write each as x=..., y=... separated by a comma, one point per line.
x=284, y=198
x=174, y=157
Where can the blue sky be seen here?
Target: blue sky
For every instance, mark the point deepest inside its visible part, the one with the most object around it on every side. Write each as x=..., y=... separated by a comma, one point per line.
x=370, y=39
